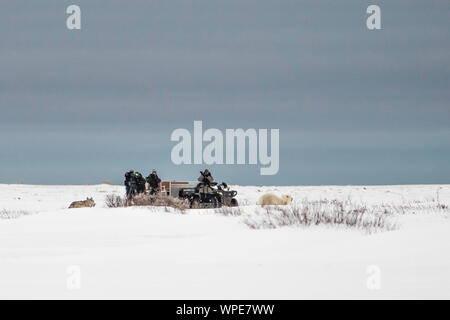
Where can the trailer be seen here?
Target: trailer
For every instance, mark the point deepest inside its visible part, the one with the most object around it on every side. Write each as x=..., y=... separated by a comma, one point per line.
x=172, y=188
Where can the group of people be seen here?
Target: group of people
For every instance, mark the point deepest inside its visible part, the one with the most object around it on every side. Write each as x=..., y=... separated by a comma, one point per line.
x=136, y=184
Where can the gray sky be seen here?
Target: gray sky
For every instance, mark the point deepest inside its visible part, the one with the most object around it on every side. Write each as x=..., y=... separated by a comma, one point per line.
x=353, y=106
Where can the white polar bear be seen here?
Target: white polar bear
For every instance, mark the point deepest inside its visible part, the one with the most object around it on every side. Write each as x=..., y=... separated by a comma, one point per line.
x=271, y=199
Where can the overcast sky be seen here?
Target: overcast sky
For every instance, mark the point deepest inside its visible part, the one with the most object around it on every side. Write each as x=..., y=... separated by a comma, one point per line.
x=353, y=106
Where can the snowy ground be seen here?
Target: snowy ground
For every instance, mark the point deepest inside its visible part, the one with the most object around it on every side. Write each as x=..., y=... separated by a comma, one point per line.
x=54, y=252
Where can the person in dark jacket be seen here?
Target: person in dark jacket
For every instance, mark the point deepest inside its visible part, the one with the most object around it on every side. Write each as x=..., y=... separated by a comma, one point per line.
x=206, y=181
x=140, y=182
x=153, y=181
x=134, y=185
x=128, y=177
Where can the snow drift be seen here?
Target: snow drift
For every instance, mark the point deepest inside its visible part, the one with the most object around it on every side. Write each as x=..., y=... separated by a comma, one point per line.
x=160, y=253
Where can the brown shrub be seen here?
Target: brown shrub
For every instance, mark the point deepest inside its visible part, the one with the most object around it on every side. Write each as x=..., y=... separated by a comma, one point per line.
x=115, y=201
x=160, y=201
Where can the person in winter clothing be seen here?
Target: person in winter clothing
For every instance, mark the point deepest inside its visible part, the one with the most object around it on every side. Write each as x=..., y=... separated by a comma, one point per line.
x=140, y=182
x=128, y=177
x=134, y=185
x=153, y=181
x=206, y=180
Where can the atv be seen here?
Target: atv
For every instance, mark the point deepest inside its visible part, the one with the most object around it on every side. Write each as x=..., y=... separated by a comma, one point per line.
x=209, y=196
x=228, y=196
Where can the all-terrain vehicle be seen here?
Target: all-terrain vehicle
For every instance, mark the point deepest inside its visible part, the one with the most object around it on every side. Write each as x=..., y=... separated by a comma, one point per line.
x=212, y=195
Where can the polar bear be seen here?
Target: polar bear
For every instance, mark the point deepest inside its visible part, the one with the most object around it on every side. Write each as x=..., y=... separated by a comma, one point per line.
x=271, y=199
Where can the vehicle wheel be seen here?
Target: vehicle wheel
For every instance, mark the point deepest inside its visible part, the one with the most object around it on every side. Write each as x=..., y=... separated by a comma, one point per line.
x=216, y=203
x=234, y=203
x=195, y=203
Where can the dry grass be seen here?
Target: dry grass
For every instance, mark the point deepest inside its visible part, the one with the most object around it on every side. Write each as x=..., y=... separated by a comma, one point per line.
x=415, y=207
x=115, y=201
x=244, y=202
x=106, y=182
x=12, y=214
x=229, y=211
x=331, y=213
x=160, y=201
